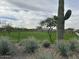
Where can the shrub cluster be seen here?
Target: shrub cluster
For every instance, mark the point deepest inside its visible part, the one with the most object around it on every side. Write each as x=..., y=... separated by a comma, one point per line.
x=66, y=48
x=30, y=45
x=6, y=47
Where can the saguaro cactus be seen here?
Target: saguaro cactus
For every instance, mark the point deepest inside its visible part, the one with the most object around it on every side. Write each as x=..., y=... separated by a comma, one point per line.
x=61, y=20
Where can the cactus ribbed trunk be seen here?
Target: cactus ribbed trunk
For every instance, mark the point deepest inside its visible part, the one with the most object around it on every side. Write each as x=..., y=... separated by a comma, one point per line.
x=60, y=21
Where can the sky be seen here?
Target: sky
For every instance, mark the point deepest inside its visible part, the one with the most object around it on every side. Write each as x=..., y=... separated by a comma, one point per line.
x=29, y=13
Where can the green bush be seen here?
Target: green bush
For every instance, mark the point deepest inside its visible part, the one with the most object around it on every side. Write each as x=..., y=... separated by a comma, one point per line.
x=6, y=47
x=29, y=45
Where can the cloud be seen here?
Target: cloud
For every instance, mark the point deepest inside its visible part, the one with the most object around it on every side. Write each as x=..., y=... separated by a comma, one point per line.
x=29, y=13
x=22, y=18
x=44, y=5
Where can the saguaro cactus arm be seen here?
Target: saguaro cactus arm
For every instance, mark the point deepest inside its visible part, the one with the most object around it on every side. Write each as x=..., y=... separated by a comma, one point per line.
x=68, y=14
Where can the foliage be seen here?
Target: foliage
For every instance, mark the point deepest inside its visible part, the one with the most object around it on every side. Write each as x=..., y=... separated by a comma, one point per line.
x=30, y=45
x=74, y=45
x=39, y=28
x=6, y=47
x=64, y=49
x=50, y=23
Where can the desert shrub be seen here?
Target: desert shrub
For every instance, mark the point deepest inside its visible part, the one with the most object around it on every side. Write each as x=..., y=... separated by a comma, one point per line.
x=73, y=46
x=63, y=49
x=29, y=45
x=68, y=47
x=46, y=44
x=6, y=47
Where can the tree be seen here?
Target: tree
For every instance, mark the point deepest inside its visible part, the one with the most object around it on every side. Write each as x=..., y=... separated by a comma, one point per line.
x=70, y=29
x=61, y=20
x=39, y=27
x=8, y=28
x=50, y=23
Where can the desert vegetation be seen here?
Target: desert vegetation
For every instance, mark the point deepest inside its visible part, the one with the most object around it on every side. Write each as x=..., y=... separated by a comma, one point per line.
x=30, y=48
x=43, y=42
